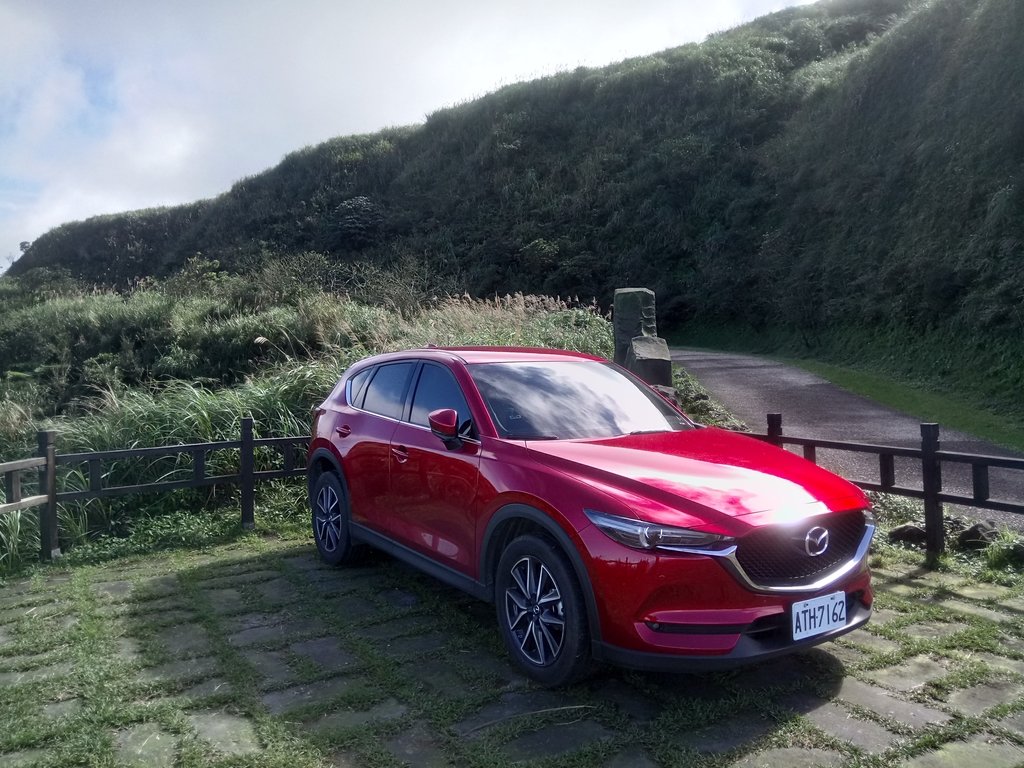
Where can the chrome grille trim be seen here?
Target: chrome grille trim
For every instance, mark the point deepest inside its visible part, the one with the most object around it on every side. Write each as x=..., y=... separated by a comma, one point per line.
x=728, y=559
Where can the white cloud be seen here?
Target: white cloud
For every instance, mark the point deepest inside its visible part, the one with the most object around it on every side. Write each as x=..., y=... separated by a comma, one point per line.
x=108, y=106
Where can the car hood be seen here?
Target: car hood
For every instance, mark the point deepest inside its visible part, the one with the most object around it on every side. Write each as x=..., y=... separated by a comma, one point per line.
x=710, y=473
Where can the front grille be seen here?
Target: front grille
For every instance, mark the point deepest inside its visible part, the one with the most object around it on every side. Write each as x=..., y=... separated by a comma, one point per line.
x=776, y=556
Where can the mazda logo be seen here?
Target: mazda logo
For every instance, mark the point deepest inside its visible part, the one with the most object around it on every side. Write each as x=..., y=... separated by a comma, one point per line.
x=816, y=541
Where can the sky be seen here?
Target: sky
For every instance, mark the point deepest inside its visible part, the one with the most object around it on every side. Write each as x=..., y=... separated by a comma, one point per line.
x=115, y=105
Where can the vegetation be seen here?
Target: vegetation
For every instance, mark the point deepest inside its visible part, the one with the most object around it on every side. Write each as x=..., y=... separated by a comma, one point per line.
x=841, y=180
x=845, y=174
x=950, y=412
x=795, y=184
x=573, y=184
x=183, y=360
x=948, y=395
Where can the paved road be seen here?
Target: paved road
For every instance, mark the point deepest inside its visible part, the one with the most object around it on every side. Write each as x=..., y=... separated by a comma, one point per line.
x=752, y=387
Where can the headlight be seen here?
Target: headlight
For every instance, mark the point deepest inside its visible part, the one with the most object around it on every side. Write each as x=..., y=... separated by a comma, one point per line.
x=640, y=534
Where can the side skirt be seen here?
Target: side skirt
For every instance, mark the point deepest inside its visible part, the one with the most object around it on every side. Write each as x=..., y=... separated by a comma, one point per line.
x=442, y=573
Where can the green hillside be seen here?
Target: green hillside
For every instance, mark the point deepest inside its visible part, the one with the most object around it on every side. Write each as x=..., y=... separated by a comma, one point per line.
x=903, y=178
x=897, y=238
x=575, y=182
x=844, y=177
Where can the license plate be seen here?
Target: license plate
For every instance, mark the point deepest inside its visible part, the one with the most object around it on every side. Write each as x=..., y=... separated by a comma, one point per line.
x=819, y=615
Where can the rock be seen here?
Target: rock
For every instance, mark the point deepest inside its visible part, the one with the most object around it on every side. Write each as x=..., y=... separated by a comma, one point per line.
x=648, y=357
x=954, y=525
x=633, y=315
x=978, y=536
x=908, y=533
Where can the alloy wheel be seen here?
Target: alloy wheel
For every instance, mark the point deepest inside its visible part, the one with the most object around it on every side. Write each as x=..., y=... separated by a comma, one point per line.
x=535, y=611
x=328, y=519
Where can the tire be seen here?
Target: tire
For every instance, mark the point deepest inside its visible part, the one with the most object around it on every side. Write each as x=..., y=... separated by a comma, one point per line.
x=541, y=613
x=329, y=502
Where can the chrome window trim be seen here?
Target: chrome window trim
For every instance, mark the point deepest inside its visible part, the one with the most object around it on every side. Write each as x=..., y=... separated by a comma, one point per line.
x=400, y=420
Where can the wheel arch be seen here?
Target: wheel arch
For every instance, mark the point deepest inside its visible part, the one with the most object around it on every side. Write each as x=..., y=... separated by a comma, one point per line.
x=322, y=460
x=514, y=520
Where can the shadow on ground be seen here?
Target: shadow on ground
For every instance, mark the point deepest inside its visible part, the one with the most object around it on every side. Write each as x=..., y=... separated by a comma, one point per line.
x=270, y=658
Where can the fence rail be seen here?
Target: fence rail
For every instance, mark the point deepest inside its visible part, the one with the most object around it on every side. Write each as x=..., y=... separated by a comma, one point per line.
x=12, y=484
x=47, y=496
x=47, y=461
x=931, y=457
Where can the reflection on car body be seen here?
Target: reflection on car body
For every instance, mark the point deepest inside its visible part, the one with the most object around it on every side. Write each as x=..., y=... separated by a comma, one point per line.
x=600, y=521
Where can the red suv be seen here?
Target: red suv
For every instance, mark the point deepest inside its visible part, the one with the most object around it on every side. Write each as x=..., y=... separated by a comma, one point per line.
x=601, y=521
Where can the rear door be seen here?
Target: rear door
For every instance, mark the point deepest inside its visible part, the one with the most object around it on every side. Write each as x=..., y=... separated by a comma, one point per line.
x=364, y=439
x=432, y=488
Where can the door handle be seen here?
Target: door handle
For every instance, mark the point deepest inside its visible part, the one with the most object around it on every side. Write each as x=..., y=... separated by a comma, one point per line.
x=344, y=430
x=400, y=453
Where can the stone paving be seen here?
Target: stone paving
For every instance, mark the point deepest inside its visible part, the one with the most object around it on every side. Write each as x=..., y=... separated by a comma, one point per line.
x=227, y=658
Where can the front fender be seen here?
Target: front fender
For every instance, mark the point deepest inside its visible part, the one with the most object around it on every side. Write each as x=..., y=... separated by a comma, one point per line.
x=490, y=553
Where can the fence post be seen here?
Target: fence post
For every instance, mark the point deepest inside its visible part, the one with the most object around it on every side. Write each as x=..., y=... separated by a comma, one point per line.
x=931, y=484
x=775, y=429
x=12, y=487
x=247, y=475
x=49, y=545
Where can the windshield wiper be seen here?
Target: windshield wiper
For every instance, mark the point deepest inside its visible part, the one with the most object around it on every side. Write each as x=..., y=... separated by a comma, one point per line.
x=647, y=431
x=532, y=437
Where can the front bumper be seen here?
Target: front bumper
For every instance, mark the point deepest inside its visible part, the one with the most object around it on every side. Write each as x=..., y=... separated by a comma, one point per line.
x=706, y=648
x=690, y=612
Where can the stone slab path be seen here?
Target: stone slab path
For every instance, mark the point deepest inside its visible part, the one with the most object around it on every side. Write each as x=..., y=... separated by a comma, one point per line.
x=258, y=655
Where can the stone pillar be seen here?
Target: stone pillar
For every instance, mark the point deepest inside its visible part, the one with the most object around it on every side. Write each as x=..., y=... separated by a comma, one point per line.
x=633, y=315
x=648, y=357
x=637, y=346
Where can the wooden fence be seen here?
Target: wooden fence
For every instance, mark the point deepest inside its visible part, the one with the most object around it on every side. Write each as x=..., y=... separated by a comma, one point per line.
x=931, y=458
x=48, y=495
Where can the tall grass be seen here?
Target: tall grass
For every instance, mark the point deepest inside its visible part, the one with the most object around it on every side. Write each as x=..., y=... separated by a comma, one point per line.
x=280, y=396
x=19, y=540
x=329, y=334
x=511, y=320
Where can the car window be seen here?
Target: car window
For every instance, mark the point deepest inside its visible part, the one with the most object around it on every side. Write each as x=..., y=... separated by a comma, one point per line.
x=356, y=386
x=570, y=399
x=385, y=394
x=437, y=388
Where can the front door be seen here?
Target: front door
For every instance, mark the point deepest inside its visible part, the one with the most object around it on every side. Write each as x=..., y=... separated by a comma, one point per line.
x=433, y=489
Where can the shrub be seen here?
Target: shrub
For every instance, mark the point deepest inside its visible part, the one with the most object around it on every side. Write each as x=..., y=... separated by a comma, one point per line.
x=294, y=355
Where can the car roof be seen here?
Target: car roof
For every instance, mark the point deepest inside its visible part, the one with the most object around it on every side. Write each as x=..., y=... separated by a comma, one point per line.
x=513, y=354
x=471, y=355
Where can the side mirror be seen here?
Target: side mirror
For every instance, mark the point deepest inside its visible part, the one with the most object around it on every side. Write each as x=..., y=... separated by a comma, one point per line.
x=444, y=424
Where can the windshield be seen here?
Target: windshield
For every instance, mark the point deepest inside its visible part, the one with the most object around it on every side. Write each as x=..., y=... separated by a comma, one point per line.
x=570, y=399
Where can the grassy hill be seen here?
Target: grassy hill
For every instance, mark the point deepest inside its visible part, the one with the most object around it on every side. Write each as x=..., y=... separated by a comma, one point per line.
x=897, y=235
x=843, y=177
x=570, y=183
